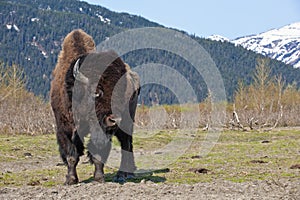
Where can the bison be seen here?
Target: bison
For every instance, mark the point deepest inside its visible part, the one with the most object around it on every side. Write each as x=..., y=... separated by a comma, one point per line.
x=93, y=93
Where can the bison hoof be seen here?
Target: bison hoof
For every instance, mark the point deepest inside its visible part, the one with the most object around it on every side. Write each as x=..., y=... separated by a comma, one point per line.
x=99, y=178
x=130, y=176
x=71, y=180
x=121, y=177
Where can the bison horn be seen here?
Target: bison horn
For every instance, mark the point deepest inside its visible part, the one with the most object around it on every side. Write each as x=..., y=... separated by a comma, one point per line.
x=78, y=75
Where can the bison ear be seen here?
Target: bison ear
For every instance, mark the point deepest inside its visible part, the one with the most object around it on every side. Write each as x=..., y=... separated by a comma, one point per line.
x=135, y=80
x=133, y=85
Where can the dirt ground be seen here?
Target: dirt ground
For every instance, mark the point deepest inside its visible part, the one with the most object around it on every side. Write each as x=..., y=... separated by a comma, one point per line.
x=279, y=189
x=273, y=188
x=217, y=189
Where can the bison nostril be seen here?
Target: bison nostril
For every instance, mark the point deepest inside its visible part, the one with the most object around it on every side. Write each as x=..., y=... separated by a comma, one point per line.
x=112, y=120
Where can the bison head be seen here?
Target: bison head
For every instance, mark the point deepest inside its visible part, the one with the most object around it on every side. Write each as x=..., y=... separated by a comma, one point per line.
x=102, y=92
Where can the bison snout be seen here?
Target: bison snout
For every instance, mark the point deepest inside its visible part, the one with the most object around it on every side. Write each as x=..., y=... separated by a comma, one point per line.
x=112, y=120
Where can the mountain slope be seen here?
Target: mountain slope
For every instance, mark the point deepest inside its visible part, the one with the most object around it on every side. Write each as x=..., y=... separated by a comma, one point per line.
x=282, y=44
x=32, y=32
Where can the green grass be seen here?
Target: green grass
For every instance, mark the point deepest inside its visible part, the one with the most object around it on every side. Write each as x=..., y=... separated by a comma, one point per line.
x=15, y=147
x=237, y=156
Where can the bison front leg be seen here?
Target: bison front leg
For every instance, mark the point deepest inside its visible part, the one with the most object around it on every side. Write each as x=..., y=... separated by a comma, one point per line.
x=99, y=172
x=98, y=154
x=127, y=166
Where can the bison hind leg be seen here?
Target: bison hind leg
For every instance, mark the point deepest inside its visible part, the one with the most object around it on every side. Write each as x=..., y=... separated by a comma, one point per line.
x=70, y=147
x=71, y=180
x=71, y=177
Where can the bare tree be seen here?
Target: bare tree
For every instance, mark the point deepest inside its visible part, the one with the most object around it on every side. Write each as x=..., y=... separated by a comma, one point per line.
x=259, y=104
x=22, y=112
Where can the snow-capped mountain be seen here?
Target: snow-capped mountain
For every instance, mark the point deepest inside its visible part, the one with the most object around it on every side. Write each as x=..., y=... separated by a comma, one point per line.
x=218, y=38
x=282, y=44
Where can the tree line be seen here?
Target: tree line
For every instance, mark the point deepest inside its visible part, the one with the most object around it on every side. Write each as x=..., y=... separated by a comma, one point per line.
x=267, y=103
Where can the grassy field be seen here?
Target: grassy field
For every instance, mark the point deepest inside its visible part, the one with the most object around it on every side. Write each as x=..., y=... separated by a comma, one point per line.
x=237, y=156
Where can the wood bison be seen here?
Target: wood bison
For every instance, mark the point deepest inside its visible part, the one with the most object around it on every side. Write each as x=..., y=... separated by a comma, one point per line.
x=93, y=93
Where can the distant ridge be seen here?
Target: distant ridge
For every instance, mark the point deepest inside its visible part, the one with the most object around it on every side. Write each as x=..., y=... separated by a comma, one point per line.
x=32, y=32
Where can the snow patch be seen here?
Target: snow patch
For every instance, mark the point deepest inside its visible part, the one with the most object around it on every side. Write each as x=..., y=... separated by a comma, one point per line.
x=35, y=19
x=218, y=38
x=16, y=28
x=12, y=26
x=39, y=47
x=8, y=26
x=103, y=19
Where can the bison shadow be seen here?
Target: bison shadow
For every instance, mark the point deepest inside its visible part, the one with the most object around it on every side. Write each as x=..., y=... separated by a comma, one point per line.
x=140, y=176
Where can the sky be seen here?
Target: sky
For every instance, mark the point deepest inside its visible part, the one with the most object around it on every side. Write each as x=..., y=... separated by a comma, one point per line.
x=228, y=18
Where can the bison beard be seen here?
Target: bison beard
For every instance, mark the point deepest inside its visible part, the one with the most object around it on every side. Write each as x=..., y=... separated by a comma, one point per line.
x=87, y=101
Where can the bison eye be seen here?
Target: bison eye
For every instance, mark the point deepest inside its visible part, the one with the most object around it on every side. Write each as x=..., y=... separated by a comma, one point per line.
x=98, y=94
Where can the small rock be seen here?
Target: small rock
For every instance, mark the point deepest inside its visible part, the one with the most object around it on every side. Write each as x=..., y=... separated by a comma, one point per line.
x=297, y=166
x=54, y=192
x=27, y=154
x=196, y=157
x=34, y=183
x=143, y=181
x=60, y=164
x=258, y=161
x=199, y=170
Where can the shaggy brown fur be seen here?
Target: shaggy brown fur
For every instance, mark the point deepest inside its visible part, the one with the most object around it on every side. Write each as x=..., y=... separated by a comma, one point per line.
x=76, y=44
x=108, y=69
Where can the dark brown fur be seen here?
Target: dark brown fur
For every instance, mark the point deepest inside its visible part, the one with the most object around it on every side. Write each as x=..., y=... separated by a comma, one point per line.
x=70, y=133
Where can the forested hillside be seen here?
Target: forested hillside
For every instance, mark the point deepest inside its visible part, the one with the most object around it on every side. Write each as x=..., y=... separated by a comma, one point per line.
x=32, y=32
